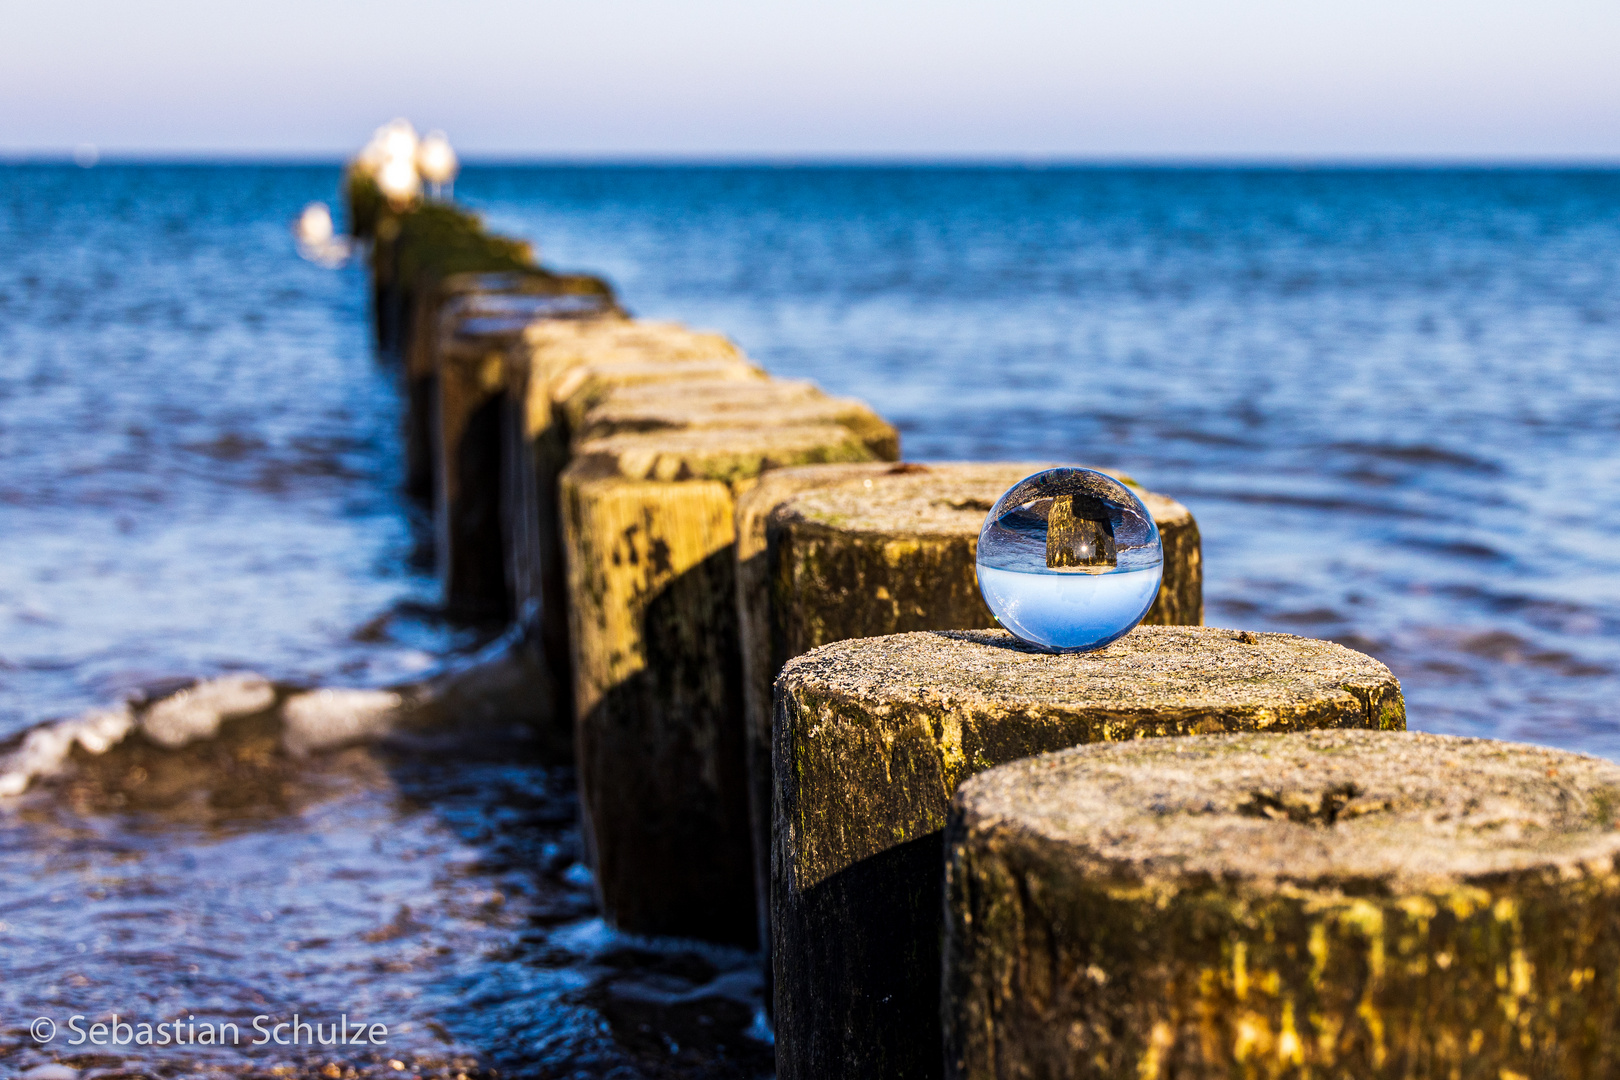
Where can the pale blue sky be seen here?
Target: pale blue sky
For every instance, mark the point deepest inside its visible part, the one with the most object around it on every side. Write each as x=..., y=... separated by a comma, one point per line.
x=1146, y=79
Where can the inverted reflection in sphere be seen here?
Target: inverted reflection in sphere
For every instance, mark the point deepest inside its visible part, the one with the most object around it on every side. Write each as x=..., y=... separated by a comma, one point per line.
x=1069, y=560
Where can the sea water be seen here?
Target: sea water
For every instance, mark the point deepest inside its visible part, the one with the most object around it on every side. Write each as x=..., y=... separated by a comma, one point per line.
x=1070, y=612
x=1373, y=387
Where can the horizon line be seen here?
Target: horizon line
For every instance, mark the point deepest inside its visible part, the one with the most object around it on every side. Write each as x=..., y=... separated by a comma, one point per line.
x=1034, y=162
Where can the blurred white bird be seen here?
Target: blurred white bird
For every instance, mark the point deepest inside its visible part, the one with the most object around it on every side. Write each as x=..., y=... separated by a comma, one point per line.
x=399, y=181
x=314, y=224
x=398, y=138
x=394, y=139
x=390, y=159
x=436, y=161
x=317, y=239
x=399, y=161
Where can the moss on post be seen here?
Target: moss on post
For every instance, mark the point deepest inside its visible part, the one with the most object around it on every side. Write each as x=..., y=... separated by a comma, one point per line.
x=838, y=552
x=1331, y=904
x=871, y=739
x=649, y=531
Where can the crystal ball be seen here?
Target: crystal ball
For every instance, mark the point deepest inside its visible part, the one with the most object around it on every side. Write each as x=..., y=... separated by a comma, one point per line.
x=1069, y=560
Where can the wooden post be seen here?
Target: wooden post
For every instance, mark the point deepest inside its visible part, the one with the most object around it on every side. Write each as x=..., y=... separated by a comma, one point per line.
x=729, y=403
x=555, y=363
x=872, y=737
x=472, y=495
x=1331, y=904
x=833, y=552
x=1074, y=540
x=510, y=295
x=419, y=373
x=649, y=531
x=415, y=248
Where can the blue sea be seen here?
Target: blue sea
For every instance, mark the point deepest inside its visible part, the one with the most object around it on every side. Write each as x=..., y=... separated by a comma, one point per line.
x=1390, y=398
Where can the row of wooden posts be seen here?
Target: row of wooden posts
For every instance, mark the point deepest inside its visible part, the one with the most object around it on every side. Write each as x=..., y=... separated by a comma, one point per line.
x=796, y=727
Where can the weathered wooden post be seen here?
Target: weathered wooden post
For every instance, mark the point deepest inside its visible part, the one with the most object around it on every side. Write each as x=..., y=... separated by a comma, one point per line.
x=365, y=208
x=872, y=738
x=629, y=410
x=833, y=552
x=472, y=495
x=1332, y=904
x=556, y=371
x=496, y=296
x=415, y=248
x=649, y=533
x=419, y=374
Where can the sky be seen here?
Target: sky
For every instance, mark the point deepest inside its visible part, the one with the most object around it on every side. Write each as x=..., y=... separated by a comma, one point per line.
x=1148, y=80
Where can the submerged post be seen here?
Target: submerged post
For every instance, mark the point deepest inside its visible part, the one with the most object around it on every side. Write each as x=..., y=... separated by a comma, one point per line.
x=1344, y=903
x=873, y=736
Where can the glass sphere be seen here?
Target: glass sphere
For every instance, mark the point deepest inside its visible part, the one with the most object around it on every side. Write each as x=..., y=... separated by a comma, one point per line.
x=1069, y=560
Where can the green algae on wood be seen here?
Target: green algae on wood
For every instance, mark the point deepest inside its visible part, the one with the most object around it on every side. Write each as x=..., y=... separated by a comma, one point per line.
x=648, y=527
x=871, y=739
x=416, y=249
x=1326, y=904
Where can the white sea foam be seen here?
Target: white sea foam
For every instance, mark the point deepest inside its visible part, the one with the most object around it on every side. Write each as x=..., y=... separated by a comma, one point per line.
x=191, y=714
x=196, y=713
x=51, y=1071
x=45, y=750
x=325, y=718
x=495, y=685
